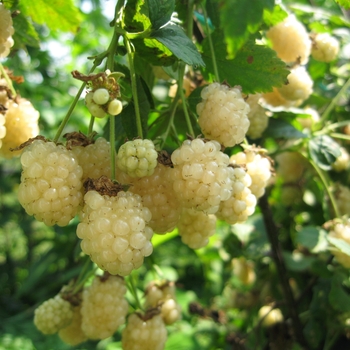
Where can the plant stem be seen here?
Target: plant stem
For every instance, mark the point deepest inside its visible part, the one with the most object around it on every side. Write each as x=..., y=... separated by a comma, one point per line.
x=171, y=119
x=326, y=186
x=183, y=98
x=134, y=87
x=8, y=80
x=134, y=292
x=71, y=108
x=273, y=233
x=112, y=144
x=211, y=46
x=333, y=103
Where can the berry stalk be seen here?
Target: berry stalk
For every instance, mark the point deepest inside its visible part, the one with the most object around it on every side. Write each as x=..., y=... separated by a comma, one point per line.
x=8, y=80
x=134, y=86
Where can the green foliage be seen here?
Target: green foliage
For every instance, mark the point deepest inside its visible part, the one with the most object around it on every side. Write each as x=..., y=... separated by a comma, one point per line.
x=160, y=12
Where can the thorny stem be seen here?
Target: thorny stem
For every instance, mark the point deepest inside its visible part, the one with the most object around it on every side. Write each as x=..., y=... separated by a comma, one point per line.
x=273, y=233
x=134, y=87
x=211, y=46
x=8, y=80
x=327, y=188
x=333, y=103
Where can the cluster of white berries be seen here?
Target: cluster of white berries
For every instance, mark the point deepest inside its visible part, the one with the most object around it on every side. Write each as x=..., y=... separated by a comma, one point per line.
x=115, y=232
x=257, y=116
x=223, y=114
x=6, y=31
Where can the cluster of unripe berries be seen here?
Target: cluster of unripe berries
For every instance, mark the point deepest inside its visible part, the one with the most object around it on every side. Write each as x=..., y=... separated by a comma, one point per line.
x=100, y=309
x=294, y=45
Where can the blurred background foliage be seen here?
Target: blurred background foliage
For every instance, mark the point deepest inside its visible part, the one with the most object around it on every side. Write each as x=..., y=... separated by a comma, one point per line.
x=218, y=309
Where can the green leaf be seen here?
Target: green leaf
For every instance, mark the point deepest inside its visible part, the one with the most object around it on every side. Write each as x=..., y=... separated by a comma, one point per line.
x=256, y=68
x=271, y=18
x=344, y=3
x=312, y=238
x=153, y=52
x=240, y=19
x=160, y=12
x=136, y=16
x=56, y=14
x=338, y=297
x=296, y=261
x=279, y=128
x=25, y=33
x=324, y=151
x=175, y=39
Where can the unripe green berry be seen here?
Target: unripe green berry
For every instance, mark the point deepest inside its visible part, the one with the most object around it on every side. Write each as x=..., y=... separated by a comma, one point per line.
x=101, y=96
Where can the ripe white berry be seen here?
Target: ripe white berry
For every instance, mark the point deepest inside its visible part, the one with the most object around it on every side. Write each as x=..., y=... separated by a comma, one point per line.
x=50, y=187
x=163, y=295
x=115, y=107
x=158, y=195
x=258, y=167
x=341, y=230
x=104, y=307
x=96, y=110
x=6, y=31
x=275, y=99
x=242, y=202
x=115, y=232
x=342, y=197
x=243, y=269
x=270, y=316
x=137, y=158
x=73, y=334
x=95, y=159
x=201, y=175
x=325, y=48
x=100, y=96
x=342, y=162
x=257, y=117
x=195, y=227
x=144, y=333
x=21, y=122
x=290, y=166
x=299, y=85
x=290, y=40
x=223, y=114
x=52, y=315
x=2, y=128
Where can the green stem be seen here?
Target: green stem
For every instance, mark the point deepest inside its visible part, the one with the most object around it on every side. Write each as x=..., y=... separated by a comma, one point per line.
x=134, y=292
x=333, y=103
x=134, y=87
x=112, y=144
x=183, y=98
x=336, y=135
x=211, y=46
x=71, y=108
x=327, y=188
x=171, y=120
x=8, y=80
x=91, y=125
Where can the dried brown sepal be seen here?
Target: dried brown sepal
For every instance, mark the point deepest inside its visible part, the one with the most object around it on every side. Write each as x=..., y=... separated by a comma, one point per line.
x=234, y=166
x=164, y=158
x=150, y=313
x=160, y=285
x=87, y=78
x=75, y=139
x=29, y=142
x=104, y=186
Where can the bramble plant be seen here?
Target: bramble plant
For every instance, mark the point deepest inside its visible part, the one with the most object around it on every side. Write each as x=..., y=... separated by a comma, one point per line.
x=186, y=185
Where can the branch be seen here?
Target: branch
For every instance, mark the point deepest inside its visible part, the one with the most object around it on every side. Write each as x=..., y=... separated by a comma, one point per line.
x=273, y=233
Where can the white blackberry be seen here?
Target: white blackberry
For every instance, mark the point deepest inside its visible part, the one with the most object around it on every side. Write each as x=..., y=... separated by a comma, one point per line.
x=325, y=48
x=223, y=114
x=257, y=116
x=6, y=31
